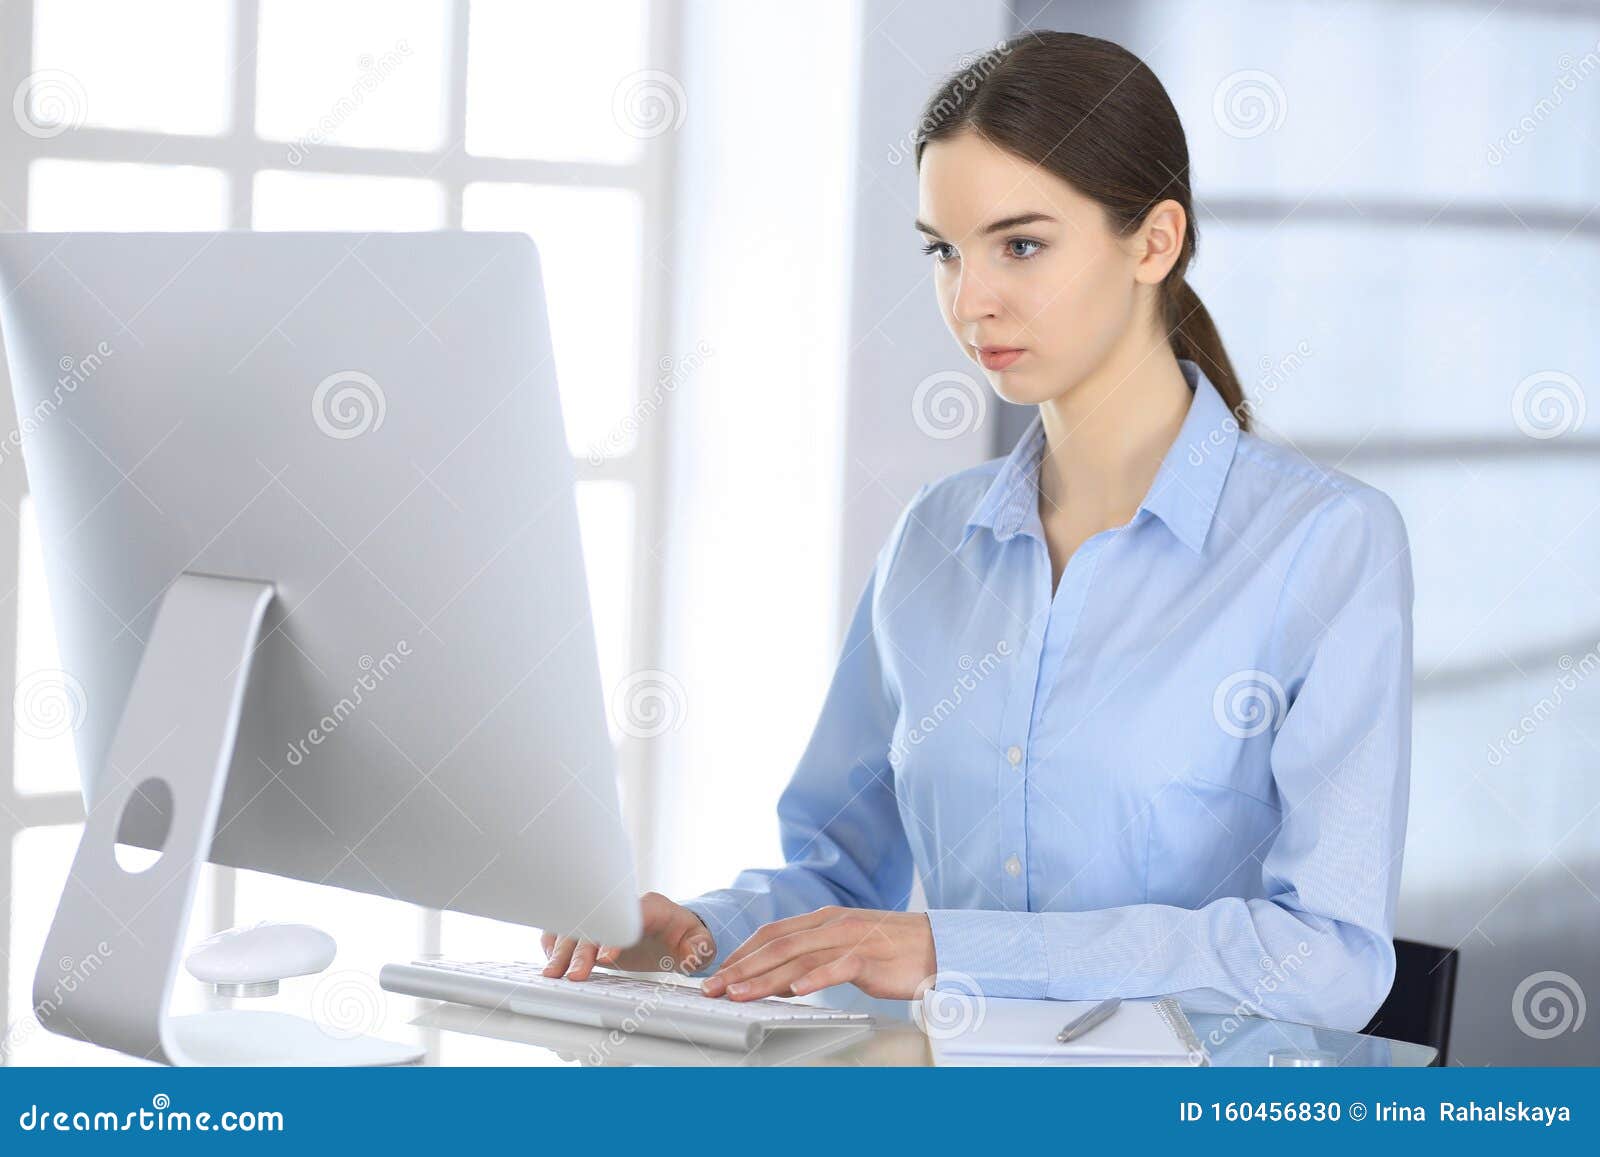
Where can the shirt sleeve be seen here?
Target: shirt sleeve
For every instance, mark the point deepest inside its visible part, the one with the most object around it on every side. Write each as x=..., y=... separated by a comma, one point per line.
x=838, y=818
x=1318, y=946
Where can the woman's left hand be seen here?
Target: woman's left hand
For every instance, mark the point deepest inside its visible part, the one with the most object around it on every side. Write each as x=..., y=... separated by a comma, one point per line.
x=885, y=954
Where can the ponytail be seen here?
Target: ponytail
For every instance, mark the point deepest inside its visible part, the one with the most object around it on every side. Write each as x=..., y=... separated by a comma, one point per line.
x=1194, y=336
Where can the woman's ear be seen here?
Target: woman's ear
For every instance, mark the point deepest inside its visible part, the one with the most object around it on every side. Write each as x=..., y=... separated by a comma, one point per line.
x=1159, y=241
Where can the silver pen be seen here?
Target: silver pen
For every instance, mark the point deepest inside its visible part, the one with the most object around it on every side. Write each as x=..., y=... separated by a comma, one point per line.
x=1097, y=1015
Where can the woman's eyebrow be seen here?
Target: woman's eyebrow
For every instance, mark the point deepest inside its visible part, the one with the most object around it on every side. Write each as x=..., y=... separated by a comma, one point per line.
x=993, y=226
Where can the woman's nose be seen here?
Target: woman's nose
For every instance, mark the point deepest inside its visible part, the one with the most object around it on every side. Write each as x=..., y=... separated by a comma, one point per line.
x=974, y=298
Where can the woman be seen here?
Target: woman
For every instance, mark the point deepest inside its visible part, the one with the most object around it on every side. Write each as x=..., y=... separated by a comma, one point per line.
x=1133, y=701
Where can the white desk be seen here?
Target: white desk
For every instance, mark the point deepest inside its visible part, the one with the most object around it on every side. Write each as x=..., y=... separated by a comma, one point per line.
x=460, y=1035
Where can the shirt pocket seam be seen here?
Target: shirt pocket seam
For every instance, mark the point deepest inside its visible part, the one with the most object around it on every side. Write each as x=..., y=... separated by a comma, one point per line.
x=1204, y=780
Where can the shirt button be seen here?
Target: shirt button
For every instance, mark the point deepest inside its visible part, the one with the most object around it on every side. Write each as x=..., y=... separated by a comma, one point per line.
x=1014, y=754
x=1013, y=866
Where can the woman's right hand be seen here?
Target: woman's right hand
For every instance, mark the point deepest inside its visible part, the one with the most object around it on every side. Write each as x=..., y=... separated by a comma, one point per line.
x=674, y=940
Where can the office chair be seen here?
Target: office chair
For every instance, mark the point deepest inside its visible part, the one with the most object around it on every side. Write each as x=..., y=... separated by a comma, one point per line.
x=1420, y=1002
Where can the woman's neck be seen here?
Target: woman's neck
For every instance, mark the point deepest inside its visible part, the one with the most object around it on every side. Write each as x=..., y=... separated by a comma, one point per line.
x=1106, y=436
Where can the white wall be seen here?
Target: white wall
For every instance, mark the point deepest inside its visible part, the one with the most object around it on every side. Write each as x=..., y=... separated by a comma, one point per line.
x=749, y=545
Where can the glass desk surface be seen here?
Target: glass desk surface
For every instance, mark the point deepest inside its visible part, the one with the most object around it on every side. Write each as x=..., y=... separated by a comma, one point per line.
x=456, y=1034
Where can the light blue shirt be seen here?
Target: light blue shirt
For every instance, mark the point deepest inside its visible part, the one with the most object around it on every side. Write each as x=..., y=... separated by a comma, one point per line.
x=1184, y=771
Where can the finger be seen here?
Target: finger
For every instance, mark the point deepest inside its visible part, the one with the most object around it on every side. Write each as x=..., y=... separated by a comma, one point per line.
x=837, y=934
x=841, y=970
x=583, y=960
x=607, y=955
x=560, y=956
x=769, y=932
x=776, y=982
x=546, y=943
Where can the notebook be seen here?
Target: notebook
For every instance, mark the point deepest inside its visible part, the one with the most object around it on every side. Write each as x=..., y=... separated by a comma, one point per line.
x=977, y=1030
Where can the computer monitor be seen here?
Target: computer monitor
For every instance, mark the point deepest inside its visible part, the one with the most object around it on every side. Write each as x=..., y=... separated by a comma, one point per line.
x=369, y=425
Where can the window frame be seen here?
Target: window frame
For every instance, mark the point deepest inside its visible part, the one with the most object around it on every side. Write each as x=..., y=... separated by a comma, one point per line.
x=240, y=154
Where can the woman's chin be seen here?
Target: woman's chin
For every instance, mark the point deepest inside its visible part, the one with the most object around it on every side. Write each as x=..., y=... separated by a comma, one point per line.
x=1018, y=390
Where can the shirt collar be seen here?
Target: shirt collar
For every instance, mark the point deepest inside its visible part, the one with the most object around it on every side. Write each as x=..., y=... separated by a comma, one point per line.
x=1184, y=493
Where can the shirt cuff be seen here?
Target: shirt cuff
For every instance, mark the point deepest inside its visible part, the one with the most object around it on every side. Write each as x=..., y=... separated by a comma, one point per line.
x=728, y=918
x=993, y=953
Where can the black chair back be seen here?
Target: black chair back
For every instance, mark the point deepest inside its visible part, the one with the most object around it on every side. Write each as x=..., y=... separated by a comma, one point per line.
x=1420, y=1002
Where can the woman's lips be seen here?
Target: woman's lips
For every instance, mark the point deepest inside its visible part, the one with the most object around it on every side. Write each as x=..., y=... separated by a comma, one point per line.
x=996, y=357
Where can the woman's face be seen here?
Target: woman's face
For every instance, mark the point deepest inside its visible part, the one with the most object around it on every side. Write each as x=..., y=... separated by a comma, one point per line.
x=1023, y=261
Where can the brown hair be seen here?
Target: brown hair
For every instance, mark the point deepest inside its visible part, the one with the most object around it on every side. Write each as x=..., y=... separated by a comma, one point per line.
x=1092, y=113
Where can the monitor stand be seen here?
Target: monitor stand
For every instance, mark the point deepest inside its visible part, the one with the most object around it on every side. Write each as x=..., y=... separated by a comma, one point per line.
x=119, y=934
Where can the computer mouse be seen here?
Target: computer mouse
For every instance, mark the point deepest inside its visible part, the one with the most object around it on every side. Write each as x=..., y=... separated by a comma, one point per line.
x=250, y=960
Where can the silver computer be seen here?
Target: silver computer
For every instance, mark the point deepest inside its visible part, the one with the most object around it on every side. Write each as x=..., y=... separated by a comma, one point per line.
x=357, y=440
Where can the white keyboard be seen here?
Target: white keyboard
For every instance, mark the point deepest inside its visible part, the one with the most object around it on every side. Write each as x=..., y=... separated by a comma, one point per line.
x=670, y=1009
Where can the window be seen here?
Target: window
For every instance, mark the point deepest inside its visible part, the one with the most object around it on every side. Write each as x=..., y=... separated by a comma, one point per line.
x=367, y=114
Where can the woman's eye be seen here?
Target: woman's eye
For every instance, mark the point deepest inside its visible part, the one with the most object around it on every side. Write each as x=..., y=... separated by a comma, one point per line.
x=940, y=250
x=1011, y=247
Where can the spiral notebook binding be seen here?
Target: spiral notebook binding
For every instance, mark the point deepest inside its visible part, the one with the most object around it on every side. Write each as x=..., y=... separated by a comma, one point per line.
x=1171, y=1014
